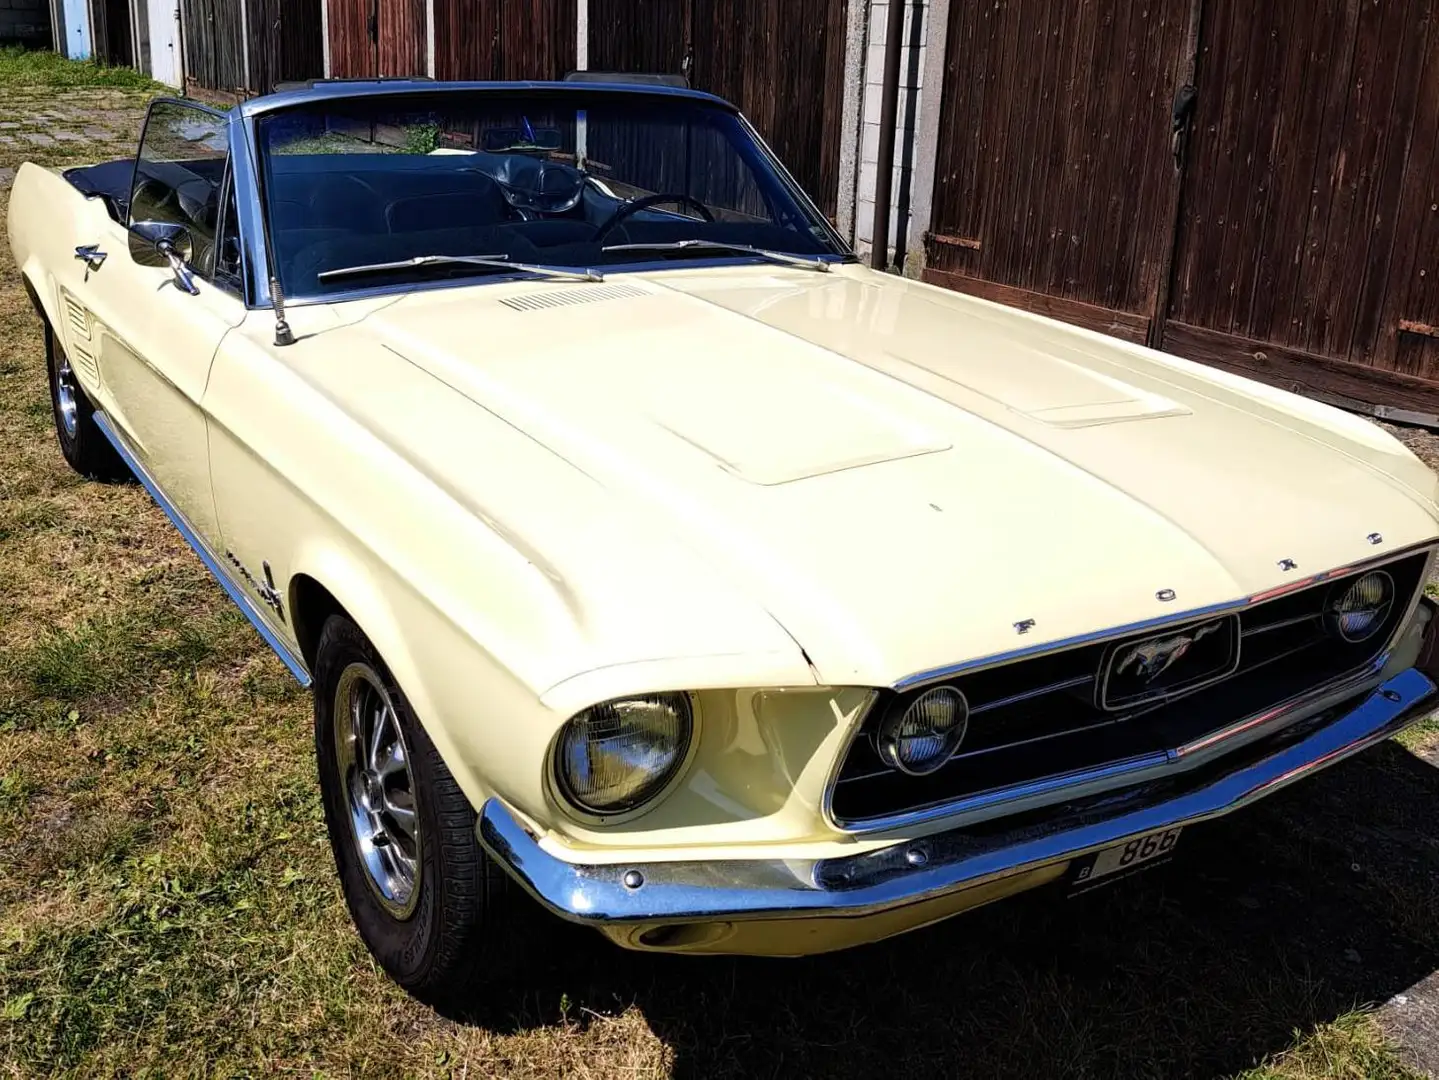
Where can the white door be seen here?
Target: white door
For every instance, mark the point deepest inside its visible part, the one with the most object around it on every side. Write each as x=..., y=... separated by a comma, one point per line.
x=165, y=41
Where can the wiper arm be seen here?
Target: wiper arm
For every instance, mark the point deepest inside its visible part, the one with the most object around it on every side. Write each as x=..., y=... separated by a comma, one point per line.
x=493, y=262
x=783, y=258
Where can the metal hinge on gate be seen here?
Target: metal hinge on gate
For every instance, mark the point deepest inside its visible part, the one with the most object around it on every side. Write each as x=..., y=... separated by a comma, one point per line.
x=967, y=242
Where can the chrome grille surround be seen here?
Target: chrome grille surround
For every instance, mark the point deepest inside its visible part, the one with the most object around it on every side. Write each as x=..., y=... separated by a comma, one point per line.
x=1225, y=733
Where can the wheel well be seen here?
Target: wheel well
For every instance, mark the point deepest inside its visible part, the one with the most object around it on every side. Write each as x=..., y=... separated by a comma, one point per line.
x=311, y=605
x=35, y=299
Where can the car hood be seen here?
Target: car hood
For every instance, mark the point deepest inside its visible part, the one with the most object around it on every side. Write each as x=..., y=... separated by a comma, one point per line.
x=905, y=477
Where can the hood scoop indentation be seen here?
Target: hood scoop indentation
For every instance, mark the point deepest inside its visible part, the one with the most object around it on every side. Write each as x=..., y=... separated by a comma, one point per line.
x=581, y=294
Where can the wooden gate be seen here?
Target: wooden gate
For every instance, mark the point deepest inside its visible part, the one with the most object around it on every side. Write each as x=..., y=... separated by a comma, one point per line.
x=1055, y=183
x=1291, y=232
x=377, y=37
x=1309, y=241
x=504, y=39
x=781, y=63
x=353, y=29
x=286, y=42
x=214, y=45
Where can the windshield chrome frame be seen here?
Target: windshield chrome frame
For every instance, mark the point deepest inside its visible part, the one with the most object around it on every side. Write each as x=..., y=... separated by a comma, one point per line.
x=245, y=151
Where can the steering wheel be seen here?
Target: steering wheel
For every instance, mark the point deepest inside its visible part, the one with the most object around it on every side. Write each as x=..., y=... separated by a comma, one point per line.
x=634, y=206
x=152, y=195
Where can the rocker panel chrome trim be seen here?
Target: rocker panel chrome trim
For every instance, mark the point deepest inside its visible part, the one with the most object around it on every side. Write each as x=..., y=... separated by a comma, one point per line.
x=233, y=590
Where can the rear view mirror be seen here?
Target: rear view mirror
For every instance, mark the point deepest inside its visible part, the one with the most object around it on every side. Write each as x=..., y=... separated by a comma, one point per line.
x=163, y=243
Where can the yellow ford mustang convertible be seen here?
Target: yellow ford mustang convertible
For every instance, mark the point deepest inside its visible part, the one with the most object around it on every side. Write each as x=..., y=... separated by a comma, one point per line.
x=644, y=548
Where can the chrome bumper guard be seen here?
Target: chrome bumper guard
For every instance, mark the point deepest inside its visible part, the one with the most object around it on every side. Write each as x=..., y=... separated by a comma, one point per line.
x=919, y=870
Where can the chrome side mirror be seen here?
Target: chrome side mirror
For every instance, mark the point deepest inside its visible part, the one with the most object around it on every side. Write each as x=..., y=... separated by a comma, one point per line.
x=163, y=243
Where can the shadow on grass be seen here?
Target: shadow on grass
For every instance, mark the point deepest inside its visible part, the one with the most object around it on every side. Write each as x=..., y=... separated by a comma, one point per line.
x=1285, y=916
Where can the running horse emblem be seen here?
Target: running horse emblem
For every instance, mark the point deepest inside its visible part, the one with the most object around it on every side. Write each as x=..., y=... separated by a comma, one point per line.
x=1151, y=659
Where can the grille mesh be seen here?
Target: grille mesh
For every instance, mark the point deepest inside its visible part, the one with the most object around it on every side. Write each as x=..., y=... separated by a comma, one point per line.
x=577, y=294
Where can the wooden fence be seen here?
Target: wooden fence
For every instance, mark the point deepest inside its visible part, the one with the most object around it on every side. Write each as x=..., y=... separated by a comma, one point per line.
x=228, y=55
x=1289, y=230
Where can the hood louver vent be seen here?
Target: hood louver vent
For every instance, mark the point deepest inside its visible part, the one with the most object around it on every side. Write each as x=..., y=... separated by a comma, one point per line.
x=578, y=294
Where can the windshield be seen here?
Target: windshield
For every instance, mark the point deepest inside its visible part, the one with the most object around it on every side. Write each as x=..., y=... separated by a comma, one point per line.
x=569, y=179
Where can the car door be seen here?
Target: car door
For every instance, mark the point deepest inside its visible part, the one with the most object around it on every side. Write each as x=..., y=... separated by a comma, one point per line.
x=154, y=338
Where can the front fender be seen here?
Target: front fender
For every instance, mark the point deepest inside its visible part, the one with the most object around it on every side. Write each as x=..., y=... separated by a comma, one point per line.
x=491, y=731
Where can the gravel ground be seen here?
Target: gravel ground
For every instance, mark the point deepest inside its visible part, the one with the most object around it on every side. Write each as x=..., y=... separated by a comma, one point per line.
x=1422, y=441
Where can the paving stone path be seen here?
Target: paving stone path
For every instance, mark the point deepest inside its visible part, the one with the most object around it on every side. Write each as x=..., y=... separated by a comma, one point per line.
x=66, y=126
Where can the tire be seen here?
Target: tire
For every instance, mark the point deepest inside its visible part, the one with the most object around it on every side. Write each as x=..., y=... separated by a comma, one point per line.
x=433, y=939
x=84, y=447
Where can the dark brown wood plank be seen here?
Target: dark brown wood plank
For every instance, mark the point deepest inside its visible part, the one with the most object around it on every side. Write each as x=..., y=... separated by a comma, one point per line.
x=1410, y=293
x=1077, y=186
x=959, y=158
x=467, y=39
x=352, y=54
x=1387, y=207
x=1037, y=234
x=1143, y=242
x=1302, y=372
x=1016, y=89
x=637, y=35
x=1336, y=82
x=1309, y=50
x=1261, y=162
x=285, y=42
x=403, y=48
x=1115, y=323
x=1208, y=176
x=1345, y=241
x=1112, y=122
x=537, y=38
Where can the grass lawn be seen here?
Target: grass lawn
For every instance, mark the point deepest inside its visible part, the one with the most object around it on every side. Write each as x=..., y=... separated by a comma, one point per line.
x=168, y=905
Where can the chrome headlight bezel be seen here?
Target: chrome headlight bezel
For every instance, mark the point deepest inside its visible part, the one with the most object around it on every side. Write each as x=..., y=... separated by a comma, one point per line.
x=646, y=795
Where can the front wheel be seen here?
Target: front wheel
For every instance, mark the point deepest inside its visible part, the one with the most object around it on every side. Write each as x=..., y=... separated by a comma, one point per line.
x=85, y=448
x=421, y=891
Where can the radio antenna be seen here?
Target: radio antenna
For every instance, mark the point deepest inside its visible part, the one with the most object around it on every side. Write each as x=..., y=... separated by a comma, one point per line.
x=283, y=334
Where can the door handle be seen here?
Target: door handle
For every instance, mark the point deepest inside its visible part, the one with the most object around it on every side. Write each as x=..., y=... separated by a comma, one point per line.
x=1185, y=99
x=90, y=255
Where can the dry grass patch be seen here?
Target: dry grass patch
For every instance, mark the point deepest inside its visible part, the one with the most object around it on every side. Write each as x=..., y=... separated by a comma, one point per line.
x=1351, y=1048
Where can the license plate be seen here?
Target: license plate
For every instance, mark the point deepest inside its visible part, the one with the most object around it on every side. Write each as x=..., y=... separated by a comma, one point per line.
x=1126, y=857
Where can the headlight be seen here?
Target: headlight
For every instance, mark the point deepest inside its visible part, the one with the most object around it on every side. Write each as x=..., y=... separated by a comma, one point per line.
x=924, y=735
x=1358, y=611
x=616, y=756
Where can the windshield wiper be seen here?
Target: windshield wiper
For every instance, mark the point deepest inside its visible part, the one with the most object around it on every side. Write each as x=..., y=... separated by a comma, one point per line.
x=703, y=246
x=493, y=262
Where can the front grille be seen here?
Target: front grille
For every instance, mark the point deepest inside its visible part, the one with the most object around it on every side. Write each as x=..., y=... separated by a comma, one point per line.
x=1045, y=718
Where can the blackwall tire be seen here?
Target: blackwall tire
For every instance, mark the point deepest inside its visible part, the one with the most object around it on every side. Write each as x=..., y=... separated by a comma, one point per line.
x=85, y=448
x=424, y=896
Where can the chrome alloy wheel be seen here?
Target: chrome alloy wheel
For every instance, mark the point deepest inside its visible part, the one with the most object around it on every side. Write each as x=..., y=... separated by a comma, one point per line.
x=374, y=766
x=66, y=393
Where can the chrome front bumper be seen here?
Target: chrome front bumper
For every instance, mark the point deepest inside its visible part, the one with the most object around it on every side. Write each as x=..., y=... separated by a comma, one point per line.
x=918, y=872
